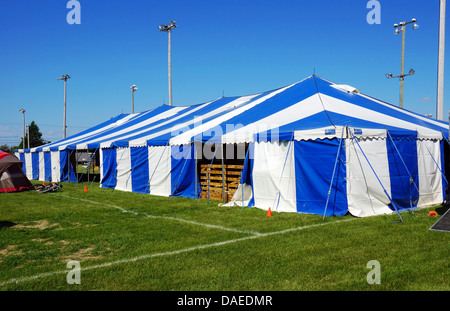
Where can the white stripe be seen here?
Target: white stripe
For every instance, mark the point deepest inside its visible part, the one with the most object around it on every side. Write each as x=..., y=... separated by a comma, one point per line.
x=351, y=110
x=120, y=134
x=69, y=141
x=180, y=251
x=437, y=123
x=142, y=141
x=162, y=217
x=123, y=169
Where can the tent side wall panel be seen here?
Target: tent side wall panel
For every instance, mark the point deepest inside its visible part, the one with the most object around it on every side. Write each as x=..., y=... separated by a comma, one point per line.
x=314, y=168
x=66, y=169
x=183, y=172
x=123, y=158
x=41, y=166
x=47, y=166
x=402, y=156
x=56, y=171
x=29, y=165
x=365, y=194
x=35, y=165
x=108, y=166
x=159, y=167
x=273, y=176
x=139, y=169
x=24, y=164
x=430, y=177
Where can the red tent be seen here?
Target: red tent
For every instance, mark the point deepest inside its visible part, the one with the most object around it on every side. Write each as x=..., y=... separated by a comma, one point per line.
x=12, y=177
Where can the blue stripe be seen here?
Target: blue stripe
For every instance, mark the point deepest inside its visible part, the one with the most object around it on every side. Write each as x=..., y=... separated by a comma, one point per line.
x=402, y=168
x=35, y=165
x=109, y=168
x=183, y=172
x=163, y=139
x=390, y=110
x=139, y=169
x=314, y=164
x=66, y=169
x=24, y=166
x=48, y=166
x=55, y=145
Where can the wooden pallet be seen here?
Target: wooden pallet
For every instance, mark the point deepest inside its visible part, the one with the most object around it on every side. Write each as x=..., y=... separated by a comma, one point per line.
x=231, y=177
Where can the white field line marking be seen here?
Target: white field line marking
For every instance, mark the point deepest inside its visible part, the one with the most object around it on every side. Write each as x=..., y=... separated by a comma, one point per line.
x=162, y=217
x=180, y=251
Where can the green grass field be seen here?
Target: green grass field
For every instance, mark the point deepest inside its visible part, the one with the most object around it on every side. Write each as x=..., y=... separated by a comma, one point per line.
x=130, y=241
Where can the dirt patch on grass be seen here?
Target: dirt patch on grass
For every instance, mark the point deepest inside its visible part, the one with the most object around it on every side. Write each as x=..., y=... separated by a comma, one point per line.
x=44, y=241
x=82, y=254
x=38, y=224
x=9, y=251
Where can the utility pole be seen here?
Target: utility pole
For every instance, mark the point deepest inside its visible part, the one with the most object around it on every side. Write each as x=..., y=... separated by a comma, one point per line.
x=168, y=30
x=23, y=139
x=440, y=82
x=64, y=77
x=28, y=135
x=402, y=69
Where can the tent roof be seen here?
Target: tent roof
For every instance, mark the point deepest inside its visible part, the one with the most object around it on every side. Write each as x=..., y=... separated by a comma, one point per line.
x=313, y=103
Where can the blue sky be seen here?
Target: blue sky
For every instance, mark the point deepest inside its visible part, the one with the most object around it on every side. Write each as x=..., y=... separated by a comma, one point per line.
x=230, y=47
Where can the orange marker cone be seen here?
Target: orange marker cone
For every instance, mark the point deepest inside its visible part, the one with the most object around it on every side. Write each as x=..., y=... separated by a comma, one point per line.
x=85, y=188
x=269, y=213
x=43, y=183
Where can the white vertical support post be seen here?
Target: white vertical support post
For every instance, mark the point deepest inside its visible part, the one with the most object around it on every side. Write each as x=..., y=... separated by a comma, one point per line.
x=440, y=82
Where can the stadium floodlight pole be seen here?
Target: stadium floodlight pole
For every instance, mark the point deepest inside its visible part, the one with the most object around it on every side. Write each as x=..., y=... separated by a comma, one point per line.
x=23, y=115
x=64, y=77
x=440, y=82
x=168, y=30
x=402, y=75
x=133, y=89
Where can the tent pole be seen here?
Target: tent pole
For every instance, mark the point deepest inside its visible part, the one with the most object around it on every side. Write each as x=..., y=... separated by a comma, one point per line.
x=196, y=173
x=209, y=168
x=223, y=174
x=76, y=164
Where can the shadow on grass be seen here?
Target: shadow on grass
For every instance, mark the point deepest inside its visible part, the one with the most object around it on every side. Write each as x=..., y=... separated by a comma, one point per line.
x=441, y=210
x=6, y=224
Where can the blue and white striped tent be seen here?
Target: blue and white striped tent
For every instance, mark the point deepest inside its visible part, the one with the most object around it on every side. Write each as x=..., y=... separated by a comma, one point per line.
x=310, y=147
